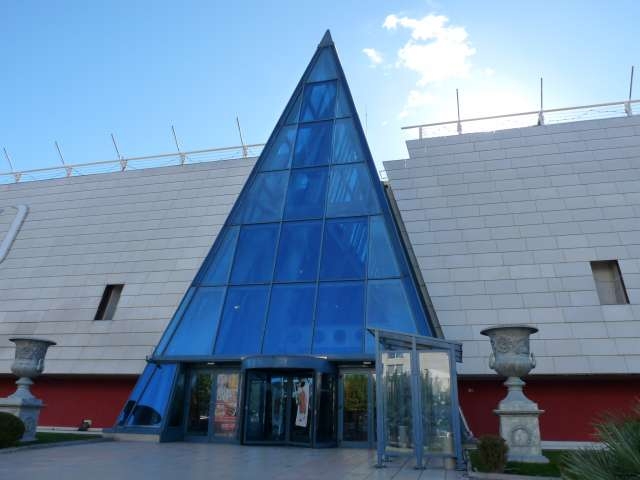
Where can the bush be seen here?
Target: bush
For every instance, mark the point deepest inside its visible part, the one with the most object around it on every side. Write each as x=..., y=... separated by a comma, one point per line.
x=11, y=429
x=492, y=453
x=620, y=459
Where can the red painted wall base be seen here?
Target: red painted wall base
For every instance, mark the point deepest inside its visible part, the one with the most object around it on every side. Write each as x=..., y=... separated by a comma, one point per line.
x=571, y=403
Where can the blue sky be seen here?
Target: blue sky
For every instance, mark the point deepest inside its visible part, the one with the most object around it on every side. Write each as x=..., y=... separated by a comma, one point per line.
x=76, y=71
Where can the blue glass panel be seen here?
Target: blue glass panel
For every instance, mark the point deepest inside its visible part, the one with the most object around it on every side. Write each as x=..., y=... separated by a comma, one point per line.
x=388, y=307
x=294, y=112
x=195, y=333
x=306, y=194
x=382, y=256
x=415, y=304
x=168, y=333
x=343, y=109
x=351, y=192
x=150, y=409
x=290, y=319
x=280, y=151
x=219, y=263
x=242, y=321
x=318, y=102
x=347, y=147
x=344, y=252
x=298, y=252
x=325, y=67
x=339, y=318
x=313, y=145
x=255, y=254
x=263, y=200
x=135, y=394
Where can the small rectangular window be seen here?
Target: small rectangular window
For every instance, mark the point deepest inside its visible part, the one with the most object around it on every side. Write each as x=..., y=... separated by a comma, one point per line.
x=609, y=282
x=109, y=302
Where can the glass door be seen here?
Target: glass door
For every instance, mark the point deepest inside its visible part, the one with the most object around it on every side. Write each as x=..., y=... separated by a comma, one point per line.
x=199, y=408
x=357, y=405
x=300, y=411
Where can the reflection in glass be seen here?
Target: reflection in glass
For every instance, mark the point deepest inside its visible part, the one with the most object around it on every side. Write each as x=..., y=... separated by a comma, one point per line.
x=355, y=424
x=319, y=101
x=142, y=382
x=263, y=200
x=327, y=409
x=149, y=410
x=256, y=254
x=279, y=156
x=294, y=112
x=313, y=145
x=339, y=318
x=435, y=389
x=290, y=320
x=168, y=333
x=242, y=321
x=199, y=404
x=300, y=419
x=347, y=147
x=194, y=335
x=342, y=103
x=344, y=252
x=225, y=418
x=396, y=377
x=325, y=67
x=298, y=251
x=306, y=194
x=351, y=191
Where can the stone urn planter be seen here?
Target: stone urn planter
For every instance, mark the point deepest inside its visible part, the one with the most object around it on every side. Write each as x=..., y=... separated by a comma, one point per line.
x=511, y=357
x=28, y=364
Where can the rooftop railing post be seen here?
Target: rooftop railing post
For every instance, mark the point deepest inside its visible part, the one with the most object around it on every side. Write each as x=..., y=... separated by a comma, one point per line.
x=420, y=133
x=459, y=127
x=541, y=114
x=627, y=105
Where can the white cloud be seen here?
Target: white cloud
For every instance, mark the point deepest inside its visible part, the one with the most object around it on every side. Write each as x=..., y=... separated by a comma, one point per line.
x=375, y=57
x=488, y=72
x=416, y=99
x=436, y=51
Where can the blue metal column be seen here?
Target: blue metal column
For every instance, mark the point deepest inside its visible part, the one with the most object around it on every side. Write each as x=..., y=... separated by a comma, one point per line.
x=455, y=412
x=382, y=434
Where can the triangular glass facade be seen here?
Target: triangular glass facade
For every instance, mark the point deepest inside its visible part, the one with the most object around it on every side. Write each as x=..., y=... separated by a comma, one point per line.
x=309, y=256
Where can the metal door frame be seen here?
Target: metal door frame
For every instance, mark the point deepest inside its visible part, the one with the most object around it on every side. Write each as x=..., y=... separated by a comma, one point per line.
x=371, y=422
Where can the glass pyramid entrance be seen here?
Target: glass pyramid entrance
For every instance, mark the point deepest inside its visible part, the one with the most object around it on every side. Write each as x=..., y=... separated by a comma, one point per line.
x=308, y=259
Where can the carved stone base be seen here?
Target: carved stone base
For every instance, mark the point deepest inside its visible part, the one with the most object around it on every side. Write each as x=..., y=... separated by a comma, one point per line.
x=519, y=424
x=25, y=406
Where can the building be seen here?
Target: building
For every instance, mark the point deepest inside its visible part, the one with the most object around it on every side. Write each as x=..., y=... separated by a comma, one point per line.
x=500, y=227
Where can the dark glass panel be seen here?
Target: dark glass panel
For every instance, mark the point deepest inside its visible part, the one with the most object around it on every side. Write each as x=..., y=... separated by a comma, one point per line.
x=199, y=403
x=319, y=101
x=219, y=264
x=256, y=252
x=263, y=200
x=194, y=335
x=176, y=410
x=306, y=194
x=388, y=307
x=290, y=319
x=294, y=111
x=416, y=306
x=150, y=409
x=325, y=67
x=175, y=321
x=298, y=252
x=280, y=151
x=382, y=255
x=313, y=145
x=344, y=252
x=343, y=109
x=347, y=147
x=327, y=410
x=339, y=318
x=351, y=191
x=242, y=321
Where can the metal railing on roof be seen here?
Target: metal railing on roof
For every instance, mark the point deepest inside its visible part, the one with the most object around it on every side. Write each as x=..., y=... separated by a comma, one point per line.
x=133, y=163
x=525, y=119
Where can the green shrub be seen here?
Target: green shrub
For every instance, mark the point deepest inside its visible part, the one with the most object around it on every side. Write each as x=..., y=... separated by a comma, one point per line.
x=620, y=459
x=492, y=453
x=11, y=429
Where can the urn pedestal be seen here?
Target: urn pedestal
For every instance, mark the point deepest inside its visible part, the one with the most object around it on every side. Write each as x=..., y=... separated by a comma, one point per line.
x=519, y=422
x=28, y=364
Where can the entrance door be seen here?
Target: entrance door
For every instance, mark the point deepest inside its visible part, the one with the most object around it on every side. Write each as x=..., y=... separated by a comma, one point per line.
x=278, y=408
x=212, y=410
x=357, y=418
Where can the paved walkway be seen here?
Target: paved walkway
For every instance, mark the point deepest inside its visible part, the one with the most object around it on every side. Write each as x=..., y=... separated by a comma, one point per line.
x=185, y=461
